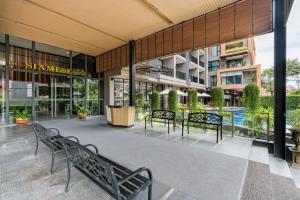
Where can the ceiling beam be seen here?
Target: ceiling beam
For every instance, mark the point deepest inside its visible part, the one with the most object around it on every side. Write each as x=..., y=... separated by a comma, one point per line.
x=158, y=12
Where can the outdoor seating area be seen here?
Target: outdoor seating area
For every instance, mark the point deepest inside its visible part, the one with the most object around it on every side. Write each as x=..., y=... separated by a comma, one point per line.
x=117, y=180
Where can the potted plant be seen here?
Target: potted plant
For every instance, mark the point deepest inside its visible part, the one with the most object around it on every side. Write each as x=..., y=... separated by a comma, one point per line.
x=293, y=119
x=21, y=117
x=83, y=112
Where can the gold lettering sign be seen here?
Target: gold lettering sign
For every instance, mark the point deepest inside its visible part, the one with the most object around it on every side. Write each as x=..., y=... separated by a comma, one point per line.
x=49, y=68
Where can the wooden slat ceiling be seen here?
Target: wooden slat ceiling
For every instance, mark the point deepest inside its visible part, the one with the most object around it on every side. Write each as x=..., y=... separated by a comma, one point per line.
x=96, y=26
x=239, y=20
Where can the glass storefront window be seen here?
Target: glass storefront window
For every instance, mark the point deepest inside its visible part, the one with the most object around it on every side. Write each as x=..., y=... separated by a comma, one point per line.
x=93, y=95
x=78, y=97
x=20, y=53
x=20, y=91
x=78, y=61
x=118, y=92
x=91, y=67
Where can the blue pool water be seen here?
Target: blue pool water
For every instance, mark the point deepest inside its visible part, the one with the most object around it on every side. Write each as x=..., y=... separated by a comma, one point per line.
x=239, y=116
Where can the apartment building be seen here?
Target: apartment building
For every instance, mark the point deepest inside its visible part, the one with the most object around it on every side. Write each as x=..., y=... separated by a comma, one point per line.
x=179, y=71
x=232, y=66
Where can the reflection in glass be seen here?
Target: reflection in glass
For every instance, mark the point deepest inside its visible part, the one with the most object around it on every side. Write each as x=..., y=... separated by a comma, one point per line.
x=118, y=92
x=92, y=96
x=78, y=93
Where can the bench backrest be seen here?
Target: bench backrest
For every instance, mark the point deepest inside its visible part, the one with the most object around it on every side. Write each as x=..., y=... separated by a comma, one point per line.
x=41, y=132
x=90, y=164
x=207, y=118
x=163, y=114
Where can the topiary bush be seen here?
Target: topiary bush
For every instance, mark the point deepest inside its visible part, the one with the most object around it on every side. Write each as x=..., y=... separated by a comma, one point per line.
x=172, y=100
x=251, y=97
x=192, y=100
x=217, y=97
x=155, y=100
x=139, y=101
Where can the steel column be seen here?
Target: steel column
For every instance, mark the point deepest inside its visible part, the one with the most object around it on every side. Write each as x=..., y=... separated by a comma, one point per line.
x=131, y=73
x=279, y=80
x=7, y=78
x=101, y=92
x=33, y=83
x=71, y=87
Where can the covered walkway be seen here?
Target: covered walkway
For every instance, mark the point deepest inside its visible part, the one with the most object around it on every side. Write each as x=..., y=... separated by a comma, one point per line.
x=190, y=168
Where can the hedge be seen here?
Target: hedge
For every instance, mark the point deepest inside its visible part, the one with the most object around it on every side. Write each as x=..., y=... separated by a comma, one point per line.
x=292, y=101
x=155, y=100
x=172, y=100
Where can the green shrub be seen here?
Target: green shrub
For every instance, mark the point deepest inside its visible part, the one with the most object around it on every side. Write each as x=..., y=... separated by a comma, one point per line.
x=139, y=101
x=199, y=107
x=292, y=102
x=217, y=97
x=293, y=118
x=155, y=100
x=172, y=100
x=251, y=97
x=192, y=99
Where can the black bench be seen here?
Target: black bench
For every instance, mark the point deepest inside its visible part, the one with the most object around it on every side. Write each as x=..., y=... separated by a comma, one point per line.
x=51, y=138
x=204, y=118
x=117, y=180
x=161, y=116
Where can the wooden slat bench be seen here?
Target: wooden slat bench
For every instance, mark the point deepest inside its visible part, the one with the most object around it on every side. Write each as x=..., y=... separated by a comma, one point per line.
x=117, y=180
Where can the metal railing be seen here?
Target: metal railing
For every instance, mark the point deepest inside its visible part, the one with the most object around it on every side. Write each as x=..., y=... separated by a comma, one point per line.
x=167, y=71
x=194, y=60
x=180, y=75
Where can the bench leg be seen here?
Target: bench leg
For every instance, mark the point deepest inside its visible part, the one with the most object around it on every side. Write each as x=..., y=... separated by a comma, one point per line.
x=182, y=128
x=168, y=127
x=188, y=127
x=145, y=124
x=174, y=125
x=52, y=161
x=69, y=175
x=221, y=132
x=217, y=134
x=150, y=192
x=151, y=124
x=36, y=145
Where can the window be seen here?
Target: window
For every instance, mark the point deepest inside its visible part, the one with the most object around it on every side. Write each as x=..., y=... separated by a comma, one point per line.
x=215, y=51
x=213, y=81
x=213, y=66
x=235, y=63
x=231, y=78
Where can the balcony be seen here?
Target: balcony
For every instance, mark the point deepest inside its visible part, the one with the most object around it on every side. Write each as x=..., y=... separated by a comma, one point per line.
x=201, y=63
x=180, y=75
x=201, y=81
x=194, y=79
x=194, y=60
x=235, y=49
x=167, y=71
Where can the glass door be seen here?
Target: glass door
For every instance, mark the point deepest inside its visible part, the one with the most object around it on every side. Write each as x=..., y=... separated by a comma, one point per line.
x=52, y=97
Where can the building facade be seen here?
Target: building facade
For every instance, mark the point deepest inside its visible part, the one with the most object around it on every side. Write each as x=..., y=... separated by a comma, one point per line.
x=232, y=66
x=179, y=71
x=50, y=82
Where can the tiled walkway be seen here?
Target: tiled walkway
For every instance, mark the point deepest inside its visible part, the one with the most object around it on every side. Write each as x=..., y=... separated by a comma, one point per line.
x=193, y=167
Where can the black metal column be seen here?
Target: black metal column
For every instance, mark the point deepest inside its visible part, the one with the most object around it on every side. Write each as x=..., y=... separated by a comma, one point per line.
x=101, y=93
x=131, y=73
x=85, y=83
x=33, y=83
x=279, y=80
x=71, y=87
x=7, y=78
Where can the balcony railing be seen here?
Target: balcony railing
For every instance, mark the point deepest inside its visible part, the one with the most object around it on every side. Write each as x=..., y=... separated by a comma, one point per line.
x=167, y=71
x=201, y=63
x=180, y=75
x=194, y=60
x=194, y=79
x=201, y=81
